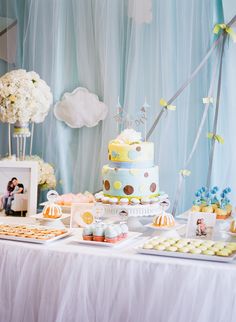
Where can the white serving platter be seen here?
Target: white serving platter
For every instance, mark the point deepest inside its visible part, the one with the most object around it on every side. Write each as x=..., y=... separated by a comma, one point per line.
x=41, y=217
x=176, y=226
x=131, y=236
x=33, y=240
x=214, y=258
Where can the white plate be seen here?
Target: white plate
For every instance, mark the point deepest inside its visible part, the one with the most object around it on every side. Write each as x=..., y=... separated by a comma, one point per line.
x=32, y=240
x=131, y=235
x=177, y=226
x=214, y=258
x=41, y=217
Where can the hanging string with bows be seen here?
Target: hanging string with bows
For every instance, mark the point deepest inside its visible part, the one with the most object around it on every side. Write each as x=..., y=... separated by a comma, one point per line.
x=225, y=30
x=215, y=137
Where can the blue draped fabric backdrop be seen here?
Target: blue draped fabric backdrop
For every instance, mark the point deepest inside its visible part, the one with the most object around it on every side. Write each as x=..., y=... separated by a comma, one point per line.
x=94, y=44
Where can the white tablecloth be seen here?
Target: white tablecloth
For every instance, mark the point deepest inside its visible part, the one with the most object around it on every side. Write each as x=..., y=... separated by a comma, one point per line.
x=68, y=282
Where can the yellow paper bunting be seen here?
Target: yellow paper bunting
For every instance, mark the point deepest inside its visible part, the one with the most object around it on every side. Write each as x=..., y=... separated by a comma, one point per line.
x=216, y=137
x=207, y=100
x=223, y=26
x=185, y=172
x=166, y=105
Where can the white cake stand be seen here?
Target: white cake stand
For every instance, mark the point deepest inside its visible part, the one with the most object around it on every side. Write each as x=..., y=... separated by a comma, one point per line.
x=133, y=214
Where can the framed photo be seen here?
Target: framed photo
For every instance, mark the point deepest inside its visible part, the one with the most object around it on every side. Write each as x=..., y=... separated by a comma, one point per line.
x=18, y=187
x=201, y=225
x=82, y=214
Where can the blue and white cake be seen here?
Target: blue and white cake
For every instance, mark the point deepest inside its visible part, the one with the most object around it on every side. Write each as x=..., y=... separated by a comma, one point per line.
x=131, y=172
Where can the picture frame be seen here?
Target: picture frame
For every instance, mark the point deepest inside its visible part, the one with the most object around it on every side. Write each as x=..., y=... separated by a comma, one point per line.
x=26, y=172
x=200, y=225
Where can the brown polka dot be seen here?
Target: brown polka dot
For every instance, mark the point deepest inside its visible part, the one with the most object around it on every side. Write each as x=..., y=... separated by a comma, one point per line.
x=153, y=187
x=128, y=190
x=116, y=169
x=107, y=184
x=138, y=148
x=146, y=174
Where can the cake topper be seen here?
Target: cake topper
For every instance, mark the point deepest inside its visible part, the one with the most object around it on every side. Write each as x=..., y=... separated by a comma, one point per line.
x=125, y=121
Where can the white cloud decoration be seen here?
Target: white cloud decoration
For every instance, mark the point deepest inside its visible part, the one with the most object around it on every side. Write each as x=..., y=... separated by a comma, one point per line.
x=140, y=11
x=80, y=108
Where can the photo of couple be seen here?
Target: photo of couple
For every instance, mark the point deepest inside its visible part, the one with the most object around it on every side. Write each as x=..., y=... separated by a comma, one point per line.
x=13, y=188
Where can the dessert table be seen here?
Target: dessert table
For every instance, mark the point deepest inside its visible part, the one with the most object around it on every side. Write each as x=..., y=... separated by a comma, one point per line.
x=66, y=281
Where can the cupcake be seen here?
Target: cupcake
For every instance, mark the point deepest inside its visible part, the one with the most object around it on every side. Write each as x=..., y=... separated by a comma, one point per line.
x=207, y=209
x=113, y=201
x=145, y=201
x=111, y=234
x=196, y=208
x=134, y=201
x=124, y=201
x=221, y=213
x=88, y=233
x=105, y=200
x=124, y=230
x=119, y=232
x=99, y=233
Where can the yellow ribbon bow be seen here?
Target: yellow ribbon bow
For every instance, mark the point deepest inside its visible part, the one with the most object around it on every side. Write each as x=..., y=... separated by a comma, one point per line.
x=216, y=137
x=166, y=105
x=223, y=26
x=185, y=172
x=207, y=100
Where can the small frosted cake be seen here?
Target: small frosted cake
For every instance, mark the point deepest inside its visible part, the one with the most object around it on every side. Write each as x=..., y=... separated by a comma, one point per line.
x=52, y=211
x=164, y=220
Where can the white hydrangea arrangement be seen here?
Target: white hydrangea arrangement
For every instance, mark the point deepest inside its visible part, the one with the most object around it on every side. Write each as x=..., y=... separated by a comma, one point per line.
x=47, y=179
x=24, y=97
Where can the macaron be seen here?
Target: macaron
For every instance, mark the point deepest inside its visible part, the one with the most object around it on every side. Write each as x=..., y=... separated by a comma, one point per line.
x=220, y=245
x=147, y=246
x=223, y=252
x=184, y=250
x=209, y=252
x=160, y=247
x=195, y=251
x=172, y=249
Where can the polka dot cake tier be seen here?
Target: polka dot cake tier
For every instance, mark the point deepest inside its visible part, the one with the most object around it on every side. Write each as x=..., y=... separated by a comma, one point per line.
x=131, y=172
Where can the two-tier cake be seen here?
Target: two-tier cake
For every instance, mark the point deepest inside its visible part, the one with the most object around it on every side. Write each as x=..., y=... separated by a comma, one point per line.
x=131, y=172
